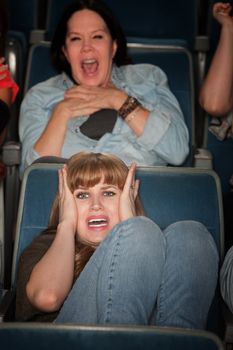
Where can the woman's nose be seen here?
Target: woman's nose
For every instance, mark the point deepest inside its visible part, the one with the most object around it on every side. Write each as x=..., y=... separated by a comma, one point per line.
x=86, y=45
x=96, y=204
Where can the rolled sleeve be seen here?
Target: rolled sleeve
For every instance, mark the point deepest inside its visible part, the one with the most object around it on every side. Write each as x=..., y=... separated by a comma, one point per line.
x=31, y=125
x=165, y=131
x=156, y=121
x=35, y=112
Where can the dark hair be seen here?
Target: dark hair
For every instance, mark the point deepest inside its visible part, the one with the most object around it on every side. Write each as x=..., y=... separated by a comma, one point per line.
x=4, y=22
x=58, y=58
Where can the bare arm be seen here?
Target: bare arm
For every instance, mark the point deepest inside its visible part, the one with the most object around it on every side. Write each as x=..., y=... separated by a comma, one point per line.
x=52, y=277
x=216, y=95
x=5, y=95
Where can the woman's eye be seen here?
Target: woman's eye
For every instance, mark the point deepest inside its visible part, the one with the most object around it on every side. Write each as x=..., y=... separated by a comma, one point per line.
x=109, y=193
x=99, y=36
x=74, y=38
x=82, y=195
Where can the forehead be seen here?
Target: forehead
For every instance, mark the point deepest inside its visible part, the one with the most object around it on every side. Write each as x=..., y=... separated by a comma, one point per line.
x=100, y=184
x=86, y=20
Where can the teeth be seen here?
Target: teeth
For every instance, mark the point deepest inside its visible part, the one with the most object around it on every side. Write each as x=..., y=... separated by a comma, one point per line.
x=89, y=61
x=97, y=222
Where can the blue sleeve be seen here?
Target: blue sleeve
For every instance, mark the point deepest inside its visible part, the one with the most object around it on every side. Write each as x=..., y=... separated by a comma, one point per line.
x=165, y=132
x=32, y=120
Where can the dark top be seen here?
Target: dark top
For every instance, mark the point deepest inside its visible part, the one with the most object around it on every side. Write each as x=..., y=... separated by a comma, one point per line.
x=99, y=123
x=29, y=258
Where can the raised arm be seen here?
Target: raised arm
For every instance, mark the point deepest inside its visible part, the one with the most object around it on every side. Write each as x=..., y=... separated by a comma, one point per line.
x=52, y=277
x=216, y=96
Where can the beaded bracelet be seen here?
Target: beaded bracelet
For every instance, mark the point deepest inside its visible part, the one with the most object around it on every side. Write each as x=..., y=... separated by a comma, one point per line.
x=128, y=106
x=132, y=116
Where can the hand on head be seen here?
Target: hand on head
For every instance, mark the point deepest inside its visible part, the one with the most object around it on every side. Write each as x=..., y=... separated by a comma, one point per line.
x=67, y=205
x=129, y=194
x=95, y=210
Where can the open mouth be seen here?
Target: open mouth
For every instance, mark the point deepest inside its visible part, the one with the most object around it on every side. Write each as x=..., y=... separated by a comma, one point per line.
x=97, y=222
x=90, y=66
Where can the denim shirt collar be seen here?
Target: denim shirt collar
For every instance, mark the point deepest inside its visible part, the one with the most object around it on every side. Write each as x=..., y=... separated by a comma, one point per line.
x=121, y=79
x=117, y=79
x=66, y=81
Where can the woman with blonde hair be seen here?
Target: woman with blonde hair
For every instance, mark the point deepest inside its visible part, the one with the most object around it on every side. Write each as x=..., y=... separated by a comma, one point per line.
x=102, y=262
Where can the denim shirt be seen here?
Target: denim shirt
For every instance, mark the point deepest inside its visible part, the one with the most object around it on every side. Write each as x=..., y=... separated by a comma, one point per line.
x=165, y=136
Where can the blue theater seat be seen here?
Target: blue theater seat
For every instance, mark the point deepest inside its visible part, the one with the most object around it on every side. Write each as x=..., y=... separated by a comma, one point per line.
x=25, y=16
x=168, y=194
x=169, y=23
x=175, y=61
x=71, y=337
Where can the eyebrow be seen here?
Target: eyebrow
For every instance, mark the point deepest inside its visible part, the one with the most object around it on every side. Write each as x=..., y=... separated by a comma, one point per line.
x=110, y=186
x=93, y=32
x=103, y=187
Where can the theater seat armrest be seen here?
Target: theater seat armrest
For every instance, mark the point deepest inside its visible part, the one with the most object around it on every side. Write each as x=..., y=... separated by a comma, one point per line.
x=11, y=153
x=203, y=159
x=7, y=306
x=228, y=323
x=36, y=36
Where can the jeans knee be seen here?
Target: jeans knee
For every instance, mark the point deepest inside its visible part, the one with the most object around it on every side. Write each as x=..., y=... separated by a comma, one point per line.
x=192, y=239
x=140, y=234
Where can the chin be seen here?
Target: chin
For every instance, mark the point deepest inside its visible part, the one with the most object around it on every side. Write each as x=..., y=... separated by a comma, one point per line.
x=98, y=237
x=93, y=83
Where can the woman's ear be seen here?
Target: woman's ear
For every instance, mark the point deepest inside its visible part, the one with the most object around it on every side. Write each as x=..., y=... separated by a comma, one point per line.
x=114, y=48
x=65, y=53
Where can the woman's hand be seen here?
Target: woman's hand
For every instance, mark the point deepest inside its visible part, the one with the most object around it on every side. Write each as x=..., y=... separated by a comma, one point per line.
x=72, y=108
x=3, y=68
x=67, y=205
x=129, y=194
x=91, y=99
x=221, y=12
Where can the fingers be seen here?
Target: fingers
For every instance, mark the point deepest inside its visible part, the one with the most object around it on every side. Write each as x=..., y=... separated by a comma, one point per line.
x=62, y=177
x=221, y=9
x=79, y=91
x=130, y=180
x=132, y=184
x=136, y=188
x=129, y=194
x=60, y=182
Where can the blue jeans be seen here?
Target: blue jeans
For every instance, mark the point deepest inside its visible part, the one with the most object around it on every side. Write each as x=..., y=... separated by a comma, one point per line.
x=140, y=275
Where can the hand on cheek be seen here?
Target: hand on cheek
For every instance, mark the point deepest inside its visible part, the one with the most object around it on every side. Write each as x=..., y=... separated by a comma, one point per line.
x=67, y=205
x=128, y=195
